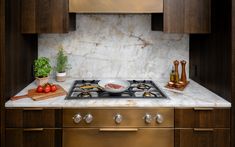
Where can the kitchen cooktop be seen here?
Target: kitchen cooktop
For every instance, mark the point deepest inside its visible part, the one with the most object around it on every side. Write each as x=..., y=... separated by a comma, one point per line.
x=89, y=89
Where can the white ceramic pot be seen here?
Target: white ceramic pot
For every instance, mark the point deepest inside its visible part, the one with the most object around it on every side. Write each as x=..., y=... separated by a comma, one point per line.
x=41, y=81
x=60, y=77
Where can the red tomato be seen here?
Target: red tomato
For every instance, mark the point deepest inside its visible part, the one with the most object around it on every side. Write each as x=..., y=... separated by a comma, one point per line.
x=47, y=88
x=39, y=89
x=53, y=88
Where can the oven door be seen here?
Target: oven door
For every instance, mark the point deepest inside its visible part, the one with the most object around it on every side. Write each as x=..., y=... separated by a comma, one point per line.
x=118, y=137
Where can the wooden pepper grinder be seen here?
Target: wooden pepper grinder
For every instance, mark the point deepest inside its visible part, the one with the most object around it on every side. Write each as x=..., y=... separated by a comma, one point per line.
x=183, y=74
x=176, y=63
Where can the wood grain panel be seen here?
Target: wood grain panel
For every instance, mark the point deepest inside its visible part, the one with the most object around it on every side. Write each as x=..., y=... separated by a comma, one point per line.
x=20, y=51
x=187, y=16
x=33, y=118
x=29, y=21
x=2, y=71
x=211, y=54
x=174, y=16
x=232, y=66
x=197, y=16
x=116, y=6
x=33, y=137
x=190, y=118
x=210, y=138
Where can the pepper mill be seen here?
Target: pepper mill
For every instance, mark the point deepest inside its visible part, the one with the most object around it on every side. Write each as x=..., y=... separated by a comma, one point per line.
x=176, y=63
x=183, y=74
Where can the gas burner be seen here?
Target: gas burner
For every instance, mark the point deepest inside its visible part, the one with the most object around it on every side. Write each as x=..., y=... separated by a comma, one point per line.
x=88, y=89
x=85, y=94
x=143, y=86
x=149, y=94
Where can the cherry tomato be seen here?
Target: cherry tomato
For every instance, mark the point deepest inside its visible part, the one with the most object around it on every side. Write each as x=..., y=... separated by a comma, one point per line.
x=39, y=89
x=53, y=88
x=47, y=88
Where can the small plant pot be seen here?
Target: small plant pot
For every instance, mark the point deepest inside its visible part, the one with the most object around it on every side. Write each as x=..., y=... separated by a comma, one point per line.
x=61, y=77
x=42, y=81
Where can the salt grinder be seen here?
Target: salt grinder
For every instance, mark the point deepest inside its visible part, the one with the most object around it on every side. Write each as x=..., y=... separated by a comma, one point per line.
x=183, y=74
x=176, y=63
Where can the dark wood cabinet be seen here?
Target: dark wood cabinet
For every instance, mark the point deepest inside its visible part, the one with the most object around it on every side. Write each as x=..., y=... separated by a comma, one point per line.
x=202, y=127
x=37, y=127
x=46, y=16
x=34, y=137
x=187, y=16
x=202, y=137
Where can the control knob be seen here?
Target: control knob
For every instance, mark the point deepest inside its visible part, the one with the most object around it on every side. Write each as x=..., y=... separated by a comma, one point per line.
x=118, y=118
x=77, y=118
x=88, y=118
x=159, y=118
x=148, y=118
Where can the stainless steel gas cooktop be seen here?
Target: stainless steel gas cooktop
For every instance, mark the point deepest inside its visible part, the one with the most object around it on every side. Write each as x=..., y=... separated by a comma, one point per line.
x=89, y=89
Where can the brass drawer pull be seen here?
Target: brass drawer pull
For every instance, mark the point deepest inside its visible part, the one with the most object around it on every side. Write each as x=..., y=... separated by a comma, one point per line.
x=203, y=130
x=118, y=130
x=33, y=109
x=33, y=129
x=203, y=109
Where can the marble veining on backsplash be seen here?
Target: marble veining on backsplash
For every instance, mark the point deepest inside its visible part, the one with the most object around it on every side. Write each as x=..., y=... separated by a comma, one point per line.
x=116, y=46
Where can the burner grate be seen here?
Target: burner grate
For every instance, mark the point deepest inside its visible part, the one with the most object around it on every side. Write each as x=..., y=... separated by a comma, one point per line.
x=138, y=89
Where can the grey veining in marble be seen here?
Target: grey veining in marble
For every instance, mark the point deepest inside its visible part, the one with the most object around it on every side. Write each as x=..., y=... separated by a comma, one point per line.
x=117, y=46
x=193, y=96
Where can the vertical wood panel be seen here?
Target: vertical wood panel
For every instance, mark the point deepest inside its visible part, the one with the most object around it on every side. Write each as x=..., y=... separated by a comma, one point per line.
x=232, y=66
x=2, y=71
x=174, y=16
x=28, y=16
x=20, y=51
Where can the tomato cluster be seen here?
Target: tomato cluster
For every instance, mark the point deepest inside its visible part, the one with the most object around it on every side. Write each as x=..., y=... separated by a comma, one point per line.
x=46, y=88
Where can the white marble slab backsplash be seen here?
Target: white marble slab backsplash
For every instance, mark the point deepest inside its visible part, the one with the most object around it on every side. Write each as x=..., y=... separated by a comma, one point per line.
x=117, y=46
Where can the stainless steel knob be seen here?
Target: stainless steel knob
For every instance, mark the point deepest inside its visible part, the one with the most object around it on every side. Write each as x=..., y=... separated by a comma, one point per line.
x=77, y=118
x=118, y=118
x=148, y=118
x=159, y=118
x=88, y=118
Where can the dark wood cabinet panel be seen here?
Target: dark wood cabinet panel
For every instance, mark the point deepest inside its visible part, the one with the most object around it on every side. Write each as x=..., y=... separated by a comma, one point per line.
x=33, y=118
x=202, y=118
x=45, y=16
x=202, y=138
x=187, y=16
x=34, y=137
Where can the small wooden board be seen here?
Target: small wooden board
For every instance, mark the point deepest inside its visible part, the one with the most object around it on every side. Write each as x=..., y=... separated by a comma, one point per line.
x=175, y=88
x=34, y=95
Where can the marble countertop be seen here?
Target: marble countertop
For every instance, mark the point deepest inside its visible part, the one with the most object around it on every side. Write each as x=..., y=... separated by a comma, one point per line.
x=194, y=95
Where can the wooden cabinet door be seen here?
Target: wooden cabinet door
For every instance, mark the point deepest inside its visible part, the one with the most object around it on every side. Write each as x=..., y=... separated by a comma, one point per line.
x=44, y=16
x=35, y=137
x=187, y=16
x=202, y=118
x=202, y=137
x=33, y=118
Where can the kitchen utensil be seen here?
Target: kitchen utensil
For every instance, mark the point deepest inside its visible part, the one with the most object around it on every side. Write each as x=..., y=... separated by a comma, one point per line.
x=183, y=74
x=34, y=95
x=176, y=63
x=124, y=85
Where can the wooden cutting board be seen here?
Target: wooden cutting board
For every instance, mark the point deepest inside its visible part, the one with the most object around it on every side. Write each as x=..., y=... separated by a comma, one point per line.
x=34, y=95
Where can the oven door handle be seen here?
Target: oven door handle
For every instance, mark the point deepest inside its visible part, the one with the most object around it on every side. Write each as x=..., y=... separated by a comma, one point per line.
x=118, y=129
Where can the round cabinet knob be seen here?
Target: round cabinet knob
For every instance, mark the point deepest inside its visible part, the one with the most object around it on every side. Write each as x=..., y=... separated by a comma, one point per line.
x=118, y=118
x=88, y=118
x=159, y=118
x=77, y=118
x=147, y=118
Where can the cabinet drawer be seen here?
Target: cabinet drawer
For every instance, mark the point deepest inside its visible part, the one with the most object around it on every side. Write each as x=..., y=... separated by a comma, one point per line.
x=202, y=118
x=33, y=137
x=202, y=137
x=33, y=118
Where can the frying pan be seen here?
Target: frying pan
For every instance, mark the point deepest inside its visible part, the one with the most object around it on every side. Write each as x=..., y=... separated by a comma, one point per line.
x=104, y=85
